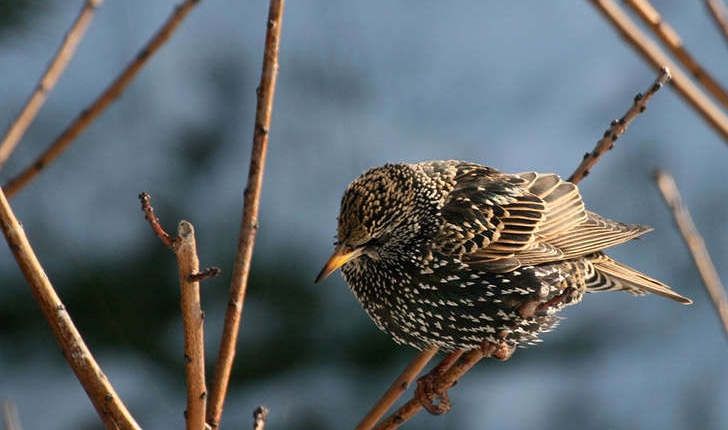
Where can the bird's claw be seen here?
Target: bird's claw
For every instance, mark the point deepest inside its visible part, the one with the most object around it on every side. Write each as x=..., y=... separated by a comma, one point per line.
x=557, y=301
x=501, y=351
x=435, y=403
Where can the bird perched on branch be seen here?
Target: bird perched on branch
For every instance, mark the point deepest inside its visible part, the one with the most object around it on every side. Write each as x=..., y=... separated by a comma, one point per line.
x=454, y=254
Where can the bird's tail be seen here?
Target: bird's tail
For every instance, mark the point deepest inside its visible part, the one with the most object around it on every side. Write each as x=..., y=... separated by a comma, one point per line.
x=610, y=275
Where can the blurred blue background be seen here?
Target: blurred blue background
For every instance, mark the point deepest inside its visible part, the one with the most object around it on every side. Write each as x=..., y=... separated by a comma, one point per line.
x=514, y=85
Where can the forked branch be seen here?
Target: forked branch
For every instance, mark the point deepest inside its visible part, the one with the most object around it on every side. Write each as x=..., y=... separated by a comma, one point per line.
x=185, y=248
x=440, y=386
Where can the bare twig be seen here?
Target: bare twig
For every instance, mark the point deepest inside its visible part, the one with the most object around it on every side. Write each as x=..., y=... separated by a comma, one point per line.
x=718, y=12
x=658, y=59
x=185, y=248
x=10, y=416
x=398, y=387
x=210, y=272
x=672, y=40
x=56, y=67
x=107, y=403
x=260, y=415
x=112, y=92
x=618, y=127
x=695, y=244
x=148, y=210
x=249, y=222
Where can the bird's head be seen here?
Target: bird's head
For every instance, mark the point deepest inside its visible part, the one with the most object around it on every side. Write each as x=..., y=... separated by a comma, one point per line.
x=382, y=215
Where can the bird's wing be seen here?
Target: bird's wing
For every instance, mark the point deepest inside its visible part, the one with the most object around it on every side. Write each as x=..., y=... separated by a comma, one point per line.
x=499, y=222
x=568, y=230
x=490, y=218
x=611, y=275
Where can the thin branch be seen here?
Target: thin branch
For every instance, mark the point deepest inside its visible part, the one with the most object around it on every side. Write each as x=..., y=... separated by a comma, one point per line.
x=11, y=420
x=108, y=405
x=210, y=272
x=111, y=93
x=260, y=415
x=398, y=387
x=718, y=12
x=440, y=386
x=49, y=79
x=672, y=40
x=148, y=210
x=618, y=127
x=185, y=248
x=695, y=244
x=658, y=59
x=436, y=403
x=249, y=222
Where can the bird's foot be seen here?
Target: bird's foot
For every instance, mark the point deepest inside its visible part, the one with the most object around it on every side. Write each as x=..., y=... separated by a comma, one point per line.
x=535, y=307
x=434, y=402
x=557, y=301
x=501, y=351
x=528, y=309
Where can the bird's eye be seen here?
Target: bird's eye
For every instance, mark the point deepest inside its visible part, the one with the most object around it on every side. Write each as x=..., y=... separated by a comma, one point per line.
x=376, y=242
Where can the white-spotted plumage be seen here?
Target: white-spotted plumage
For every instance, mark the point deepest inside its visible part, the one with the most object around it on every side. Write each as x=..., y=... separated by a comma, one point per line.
x=452, y=254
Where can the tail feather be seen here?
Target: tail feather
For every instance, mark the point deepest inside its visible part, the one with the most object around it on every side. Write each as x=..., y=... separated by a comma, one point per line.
x=611, y=275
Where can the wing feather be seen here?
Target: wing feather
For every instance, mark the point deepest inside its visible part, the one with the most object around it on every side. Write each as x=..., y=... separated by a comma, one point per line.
x=524, y=219
x=617, y=276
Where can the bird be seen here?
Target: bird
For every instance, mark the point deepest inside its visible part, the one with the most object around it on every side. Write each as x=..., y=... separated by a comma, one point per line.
x=454, y=255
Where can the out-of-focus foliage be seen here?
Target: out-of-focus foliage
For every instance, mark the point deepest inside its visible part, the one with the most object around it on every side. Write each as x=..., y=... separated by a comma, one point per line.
x=15, y=13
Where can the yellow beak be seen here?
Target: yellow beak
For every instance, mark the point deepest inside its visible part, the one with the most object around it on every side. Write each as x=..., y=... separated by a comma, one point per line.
x=340, y=257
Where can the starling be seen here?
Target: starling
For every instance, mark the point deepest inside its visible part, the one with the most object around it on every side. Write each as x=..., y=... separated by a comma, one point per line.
x=454, y=254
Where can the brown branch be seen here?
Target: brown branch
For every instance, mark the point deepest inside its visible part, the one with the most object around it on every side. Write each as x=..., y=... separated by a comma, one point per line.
x=49, y=79
x=148, y=210
x=108, y=405
x=440, y=386
x=249, y=222
x=11, y=421
x=672, y=40
x=185, y=248
x=718, y=12
x=260, y=415
x=695, y=244
x=618, y=127
x=398, y=387
x=658, y=59
x=111, y=93
x=210, y=272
